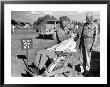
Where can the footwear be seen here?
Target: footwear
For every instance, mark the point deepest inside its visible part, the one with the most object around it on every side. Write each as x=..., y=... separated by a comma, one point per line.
x=32, y=66
x=84, y=74
x=23, y=75
x=27, y=74
x=41, y=71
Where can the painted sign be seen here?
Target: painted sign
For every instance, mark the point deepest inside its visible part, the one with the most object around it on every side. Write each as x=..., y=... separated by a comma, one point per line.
x=26, y=43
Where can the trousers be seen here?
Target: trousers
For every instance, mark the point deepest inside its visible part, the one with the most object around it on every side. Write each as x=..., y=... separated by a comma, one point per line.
x=43, y=56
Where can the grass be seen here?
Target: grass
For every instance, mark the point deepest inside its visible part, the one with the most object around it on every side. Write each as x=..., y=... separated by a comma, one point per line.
x=17, y=65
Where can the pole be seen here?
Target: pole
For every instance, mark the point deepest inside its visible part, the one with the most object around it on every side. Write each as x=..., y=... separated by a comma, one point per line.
x=27, y=55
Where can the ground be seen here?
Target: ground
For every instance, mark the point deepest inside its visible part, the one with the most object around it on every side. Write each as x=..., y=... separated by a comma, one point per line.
x=17, y=65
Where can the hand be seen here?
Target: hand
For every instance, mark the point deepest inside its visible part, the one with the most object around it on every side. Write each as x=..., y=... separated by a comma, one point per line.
x=59, y=53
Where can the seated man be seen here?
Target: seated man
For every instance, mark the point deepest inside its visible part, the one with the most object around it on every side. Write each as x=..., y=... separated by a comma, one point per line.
x=66, y=46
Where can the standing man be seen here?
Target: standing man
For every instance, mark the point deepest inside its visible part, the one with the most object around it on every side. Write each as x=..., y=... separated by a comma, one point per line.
x=88, y=40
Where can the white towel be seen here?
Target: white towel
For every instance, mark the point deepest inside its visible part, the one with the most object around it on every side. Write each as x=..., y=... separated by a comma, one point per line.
x=67, y=44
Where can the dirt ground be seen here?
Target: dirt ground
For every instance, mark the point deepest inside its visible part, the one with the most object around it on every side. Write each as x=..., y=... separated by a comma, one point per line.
x=17, y=65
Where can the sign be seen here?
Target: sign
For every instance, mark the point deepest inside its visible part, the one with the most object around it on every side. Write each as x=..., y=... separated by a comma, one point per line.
x=26, y=43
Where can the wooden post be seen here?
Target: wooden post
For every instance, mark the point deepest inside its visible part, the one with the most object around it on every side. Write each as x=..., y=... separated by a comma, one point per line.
x=26, y=44
x=27, y=55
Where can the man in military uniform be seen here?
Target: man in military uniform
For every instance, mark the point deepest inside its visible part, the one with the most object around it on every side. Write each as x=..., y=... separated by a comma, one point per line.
x=88, y=40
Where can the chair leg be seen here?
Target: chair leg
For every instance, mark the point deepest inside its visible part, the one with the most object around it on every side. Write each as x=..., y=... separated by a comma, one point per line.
x=73, y=66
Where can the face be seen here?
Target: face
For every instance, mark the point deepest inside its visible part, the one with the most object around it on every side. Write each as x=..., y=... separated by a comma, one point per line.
x=89, y=18
x=65, y=23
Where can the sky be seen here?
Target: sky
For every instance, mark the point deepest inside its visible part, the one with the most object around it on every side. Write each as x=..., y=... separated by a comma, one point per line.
x=31, y=16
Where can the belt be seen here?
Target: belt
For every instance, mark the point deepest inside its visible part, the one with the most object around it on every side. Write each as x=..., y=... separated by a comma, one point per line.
x=86, y=37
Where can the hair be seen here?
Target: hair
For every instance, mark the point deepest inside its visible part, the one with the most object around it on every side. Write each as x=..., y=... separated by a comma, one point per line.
x=61, y=24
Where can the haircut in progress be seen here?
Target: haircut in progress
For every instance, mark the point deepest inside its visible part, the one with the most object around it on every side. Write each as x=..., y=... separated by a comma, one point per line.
x=59, y=44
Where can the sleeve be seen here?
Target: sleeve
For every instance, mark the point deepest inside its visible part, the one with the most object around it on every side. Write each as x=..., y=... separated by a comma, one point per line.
x=96, y=35
x=95, y=27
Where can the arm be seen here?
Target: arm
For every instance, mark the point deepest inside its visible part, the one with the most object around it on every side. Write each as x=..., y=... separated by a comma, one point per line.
x=96, y=32
x=94, y=37
x=53, y=47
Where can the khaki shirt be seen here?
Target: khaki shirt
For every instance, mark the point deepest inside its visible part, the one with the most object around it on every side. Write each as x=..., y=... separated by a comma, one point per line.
x=89, y=30
x=90, y=35
x=62, y=34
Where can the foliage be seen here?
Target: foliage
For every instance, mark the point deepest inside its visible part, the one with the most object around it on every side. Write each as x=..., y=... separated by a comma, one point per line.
x=41, y=21
x=14, y=22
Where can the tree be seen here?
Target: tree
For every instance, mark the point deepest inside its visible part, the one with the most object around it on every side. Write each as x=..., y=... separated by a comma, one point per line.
x=14, y=22
x=41, y=21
